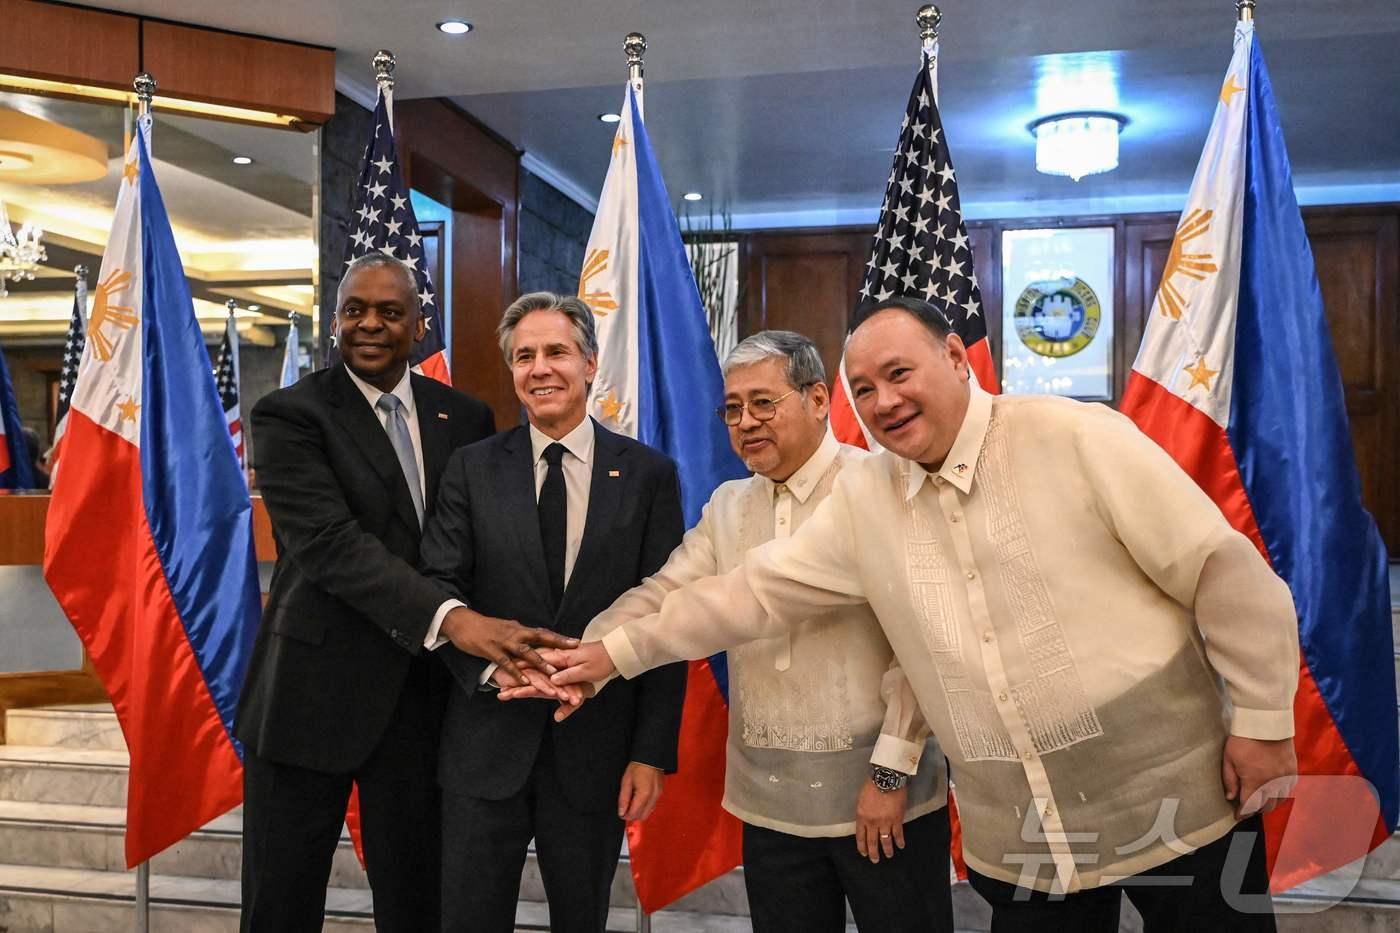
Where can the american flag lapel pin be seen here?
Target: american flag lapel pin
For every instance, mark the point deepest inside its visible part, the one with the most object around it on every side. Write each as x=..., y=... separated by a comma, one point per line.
x=442, y=415
x=614, y=473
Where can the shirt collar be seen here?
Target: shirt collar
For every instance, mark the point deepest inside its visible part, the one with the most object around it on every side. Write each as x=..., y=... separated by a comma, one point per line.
x=578, y=442
x=404, y=391
x=804, y=479
x=960, y=465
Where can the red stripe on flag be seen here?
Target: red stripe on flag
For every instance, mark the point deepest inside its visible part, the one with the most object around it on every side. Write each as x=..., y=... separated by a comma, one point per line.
x=435, y=367
x=689, y=840
x=101, y=563
x=844, y=423
x=979, y=357
x=1305, y=836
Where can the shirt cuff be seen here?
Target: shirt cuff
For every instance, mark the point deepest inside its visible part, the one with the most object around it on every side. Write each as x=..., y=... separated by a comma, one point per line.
x=1268, y=725
x=624, y=656
x=897, y=754
x=486, y=674
x=433, y=641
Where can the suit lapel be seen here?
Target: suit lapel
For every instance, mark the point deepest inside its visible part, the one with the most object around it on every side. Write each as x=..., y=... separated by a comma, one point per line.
x=521, y=509
x=434, y=433
x=604, y=497
x=362, y=425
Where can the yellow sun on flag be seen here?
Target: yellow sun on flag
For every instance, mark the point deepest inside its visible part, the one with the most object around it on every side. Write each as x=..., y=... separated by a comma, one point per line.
x=600, y=300
x=1195, y=266
x=104, y=311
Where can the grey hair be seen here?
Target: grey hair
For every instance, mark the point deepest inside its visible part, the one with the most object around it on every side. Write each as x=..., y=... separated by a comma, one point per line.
x=373, y=261
x=804, y=363
x=575, y=309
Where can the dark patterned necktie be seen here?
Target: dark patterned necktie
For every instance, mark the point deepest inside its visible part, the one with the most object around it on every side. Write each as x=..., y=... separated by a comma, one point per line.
x=554, y=517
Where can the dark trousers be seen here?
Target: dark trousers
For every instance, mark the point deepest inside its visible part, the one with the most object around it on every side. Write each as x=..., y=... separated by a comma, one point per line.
x=1221, y=886
x=292, y=818
x=484, y=849
x=801, y=885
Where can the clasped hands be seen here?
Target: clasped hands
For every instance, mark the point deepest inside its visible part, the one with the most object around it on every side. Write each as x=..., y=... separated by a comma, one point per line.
x=531, y=663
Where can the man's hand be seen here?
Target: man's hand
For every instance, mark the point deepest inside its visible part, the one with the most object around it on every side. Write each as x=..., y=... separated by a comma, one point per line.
x=880, y=821
x=588, y=663
x=538, y=687
x=504, y=642
x=641, y=789
x=1258, y=774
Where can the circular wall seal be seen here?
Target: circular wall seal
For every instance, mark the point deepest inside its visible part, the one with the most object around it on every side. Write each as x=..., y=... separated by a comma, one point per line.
x=1058, y=317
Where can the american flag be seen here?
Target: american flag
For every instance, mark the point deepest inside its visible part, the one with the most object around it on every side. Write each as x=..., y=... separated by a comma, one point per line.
x=226, y=379
x=384, y=222
x=73, y=347
x=921, y=248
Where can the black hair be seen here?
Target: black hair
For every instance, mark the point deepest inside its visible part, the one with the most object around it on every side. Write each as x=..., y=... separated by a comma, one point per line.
x=925, y=313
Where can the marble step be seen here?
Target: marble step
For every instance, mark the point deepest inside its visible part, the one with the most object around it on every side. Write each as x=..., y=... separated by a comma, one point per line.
x=1332, y=905
x=40, y=774
x=90, y=726
x=66, y=900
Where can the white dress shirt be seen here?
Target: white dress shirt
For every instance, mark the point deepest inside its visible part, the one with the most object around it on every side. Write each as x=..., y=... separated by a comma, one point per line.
x=577, y=465
x=404, y=392
x=810, y=710
x=1081, y=626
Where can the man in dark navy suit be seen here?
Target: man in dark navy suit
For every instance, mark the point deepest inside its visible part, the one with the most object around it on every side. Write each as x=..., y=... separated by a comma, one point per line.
x=548, y=524
x=340, y=689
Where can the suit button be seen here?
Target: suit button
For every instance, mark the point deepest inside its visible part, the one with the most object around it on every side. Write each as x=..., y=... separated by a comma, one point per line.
x=395, y=634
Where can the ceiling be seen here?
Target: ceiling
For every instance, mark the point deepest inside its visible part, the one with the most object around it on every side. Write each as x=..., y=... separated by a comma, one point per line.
x=783, y=113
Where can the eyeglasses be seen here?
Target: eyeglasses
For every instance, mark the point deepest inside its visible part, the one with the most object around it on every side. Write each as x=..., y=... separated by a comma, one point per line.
x=762, y=409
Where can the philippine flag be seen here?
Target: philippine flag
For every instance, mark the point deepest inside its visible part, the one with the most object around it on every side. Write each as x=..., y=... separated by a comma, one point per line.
x=1237, y=380
x=659, y=381
x=149, y=542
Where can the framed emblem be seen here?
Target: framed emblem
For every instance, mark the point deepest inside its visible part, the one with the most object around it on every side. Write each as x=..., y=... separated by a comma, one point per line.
x=1057, y=312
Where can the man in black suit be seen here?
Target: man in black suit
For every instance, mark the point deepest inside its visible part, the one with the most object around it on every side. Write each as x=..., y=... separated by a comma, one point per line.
x=548, y=524
x=340, y=688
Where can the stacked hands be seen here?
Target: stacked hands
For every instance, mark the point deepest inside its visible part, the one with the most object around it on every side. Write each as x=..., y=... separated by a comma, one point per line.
x=537, y=664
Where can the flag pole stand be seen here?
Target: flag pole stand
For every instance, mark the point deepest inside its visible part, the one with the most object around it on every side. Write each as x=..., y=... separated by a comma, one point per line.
x=143, y=897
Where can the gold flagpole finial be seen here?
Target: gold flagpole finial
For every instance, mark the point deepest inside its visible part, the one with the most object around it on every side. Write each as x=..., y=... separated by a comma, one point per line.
x=384, y=65
x=232, y=306
x=635, y=45
x=1244, y=10
x=145, y=86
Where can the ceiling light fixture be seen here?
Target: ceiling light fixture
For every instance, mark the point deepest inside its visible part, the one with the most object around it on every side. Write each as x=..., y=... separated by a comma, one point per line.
x=242, y=160
x=692, y=196
x=20, y=252
x=610, y=117
x=255, y=307
x=455, y=27
x=1077, y=144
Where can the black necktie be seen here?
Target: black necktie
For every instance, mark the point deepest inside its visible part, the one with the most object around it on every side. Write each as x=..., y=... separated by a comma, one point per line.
x=554, y=517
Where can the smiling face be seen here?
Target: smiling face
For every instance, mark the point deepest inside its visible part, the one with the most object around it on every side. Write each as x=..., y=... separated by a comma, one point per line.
x=909, y=388
x=777, y=448
x=550, y=372
x=377, y=324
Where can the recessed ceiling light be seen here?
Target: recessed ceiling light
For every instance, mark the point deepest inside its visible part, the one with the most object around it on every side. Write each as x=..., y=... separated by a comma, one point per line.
x=255, y=307
x=610, y=117
x=242, y=160
x=455, y=27
x=692, y=196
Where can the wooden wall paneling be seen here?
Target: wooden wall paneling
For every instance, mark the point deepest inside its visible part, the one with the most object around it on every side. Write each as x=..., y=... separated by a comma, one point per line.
x=66, y=43
x=241, y=71
x=22, y=528
x=985, y=241
x=458, y=162
x=1357, y=254
x=806, y=282
x=1146, y=245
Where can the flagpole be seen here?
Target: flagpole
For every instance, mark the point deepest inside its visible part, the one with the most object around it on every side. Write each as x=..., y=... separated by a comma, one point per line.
x=80, y=286
x=635, y=45
x=384, y=65
x=929, y=17
x=145, y=86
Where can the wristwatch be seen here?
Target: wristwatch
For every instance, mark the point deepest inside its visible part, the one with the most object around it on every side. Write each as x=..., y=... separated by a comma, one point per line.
x=887, y=779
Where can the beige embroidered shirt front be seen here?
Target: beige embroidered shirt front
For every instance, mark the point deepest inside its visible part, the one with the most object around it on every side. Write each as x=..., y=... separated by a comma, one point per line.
x=1065, y=603
x=811, y=709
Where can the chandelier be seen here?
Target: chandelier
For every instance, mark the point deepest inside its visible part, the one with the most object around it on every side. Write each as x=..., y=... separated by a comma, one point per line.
x=20, y=253
x=1077, y=144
